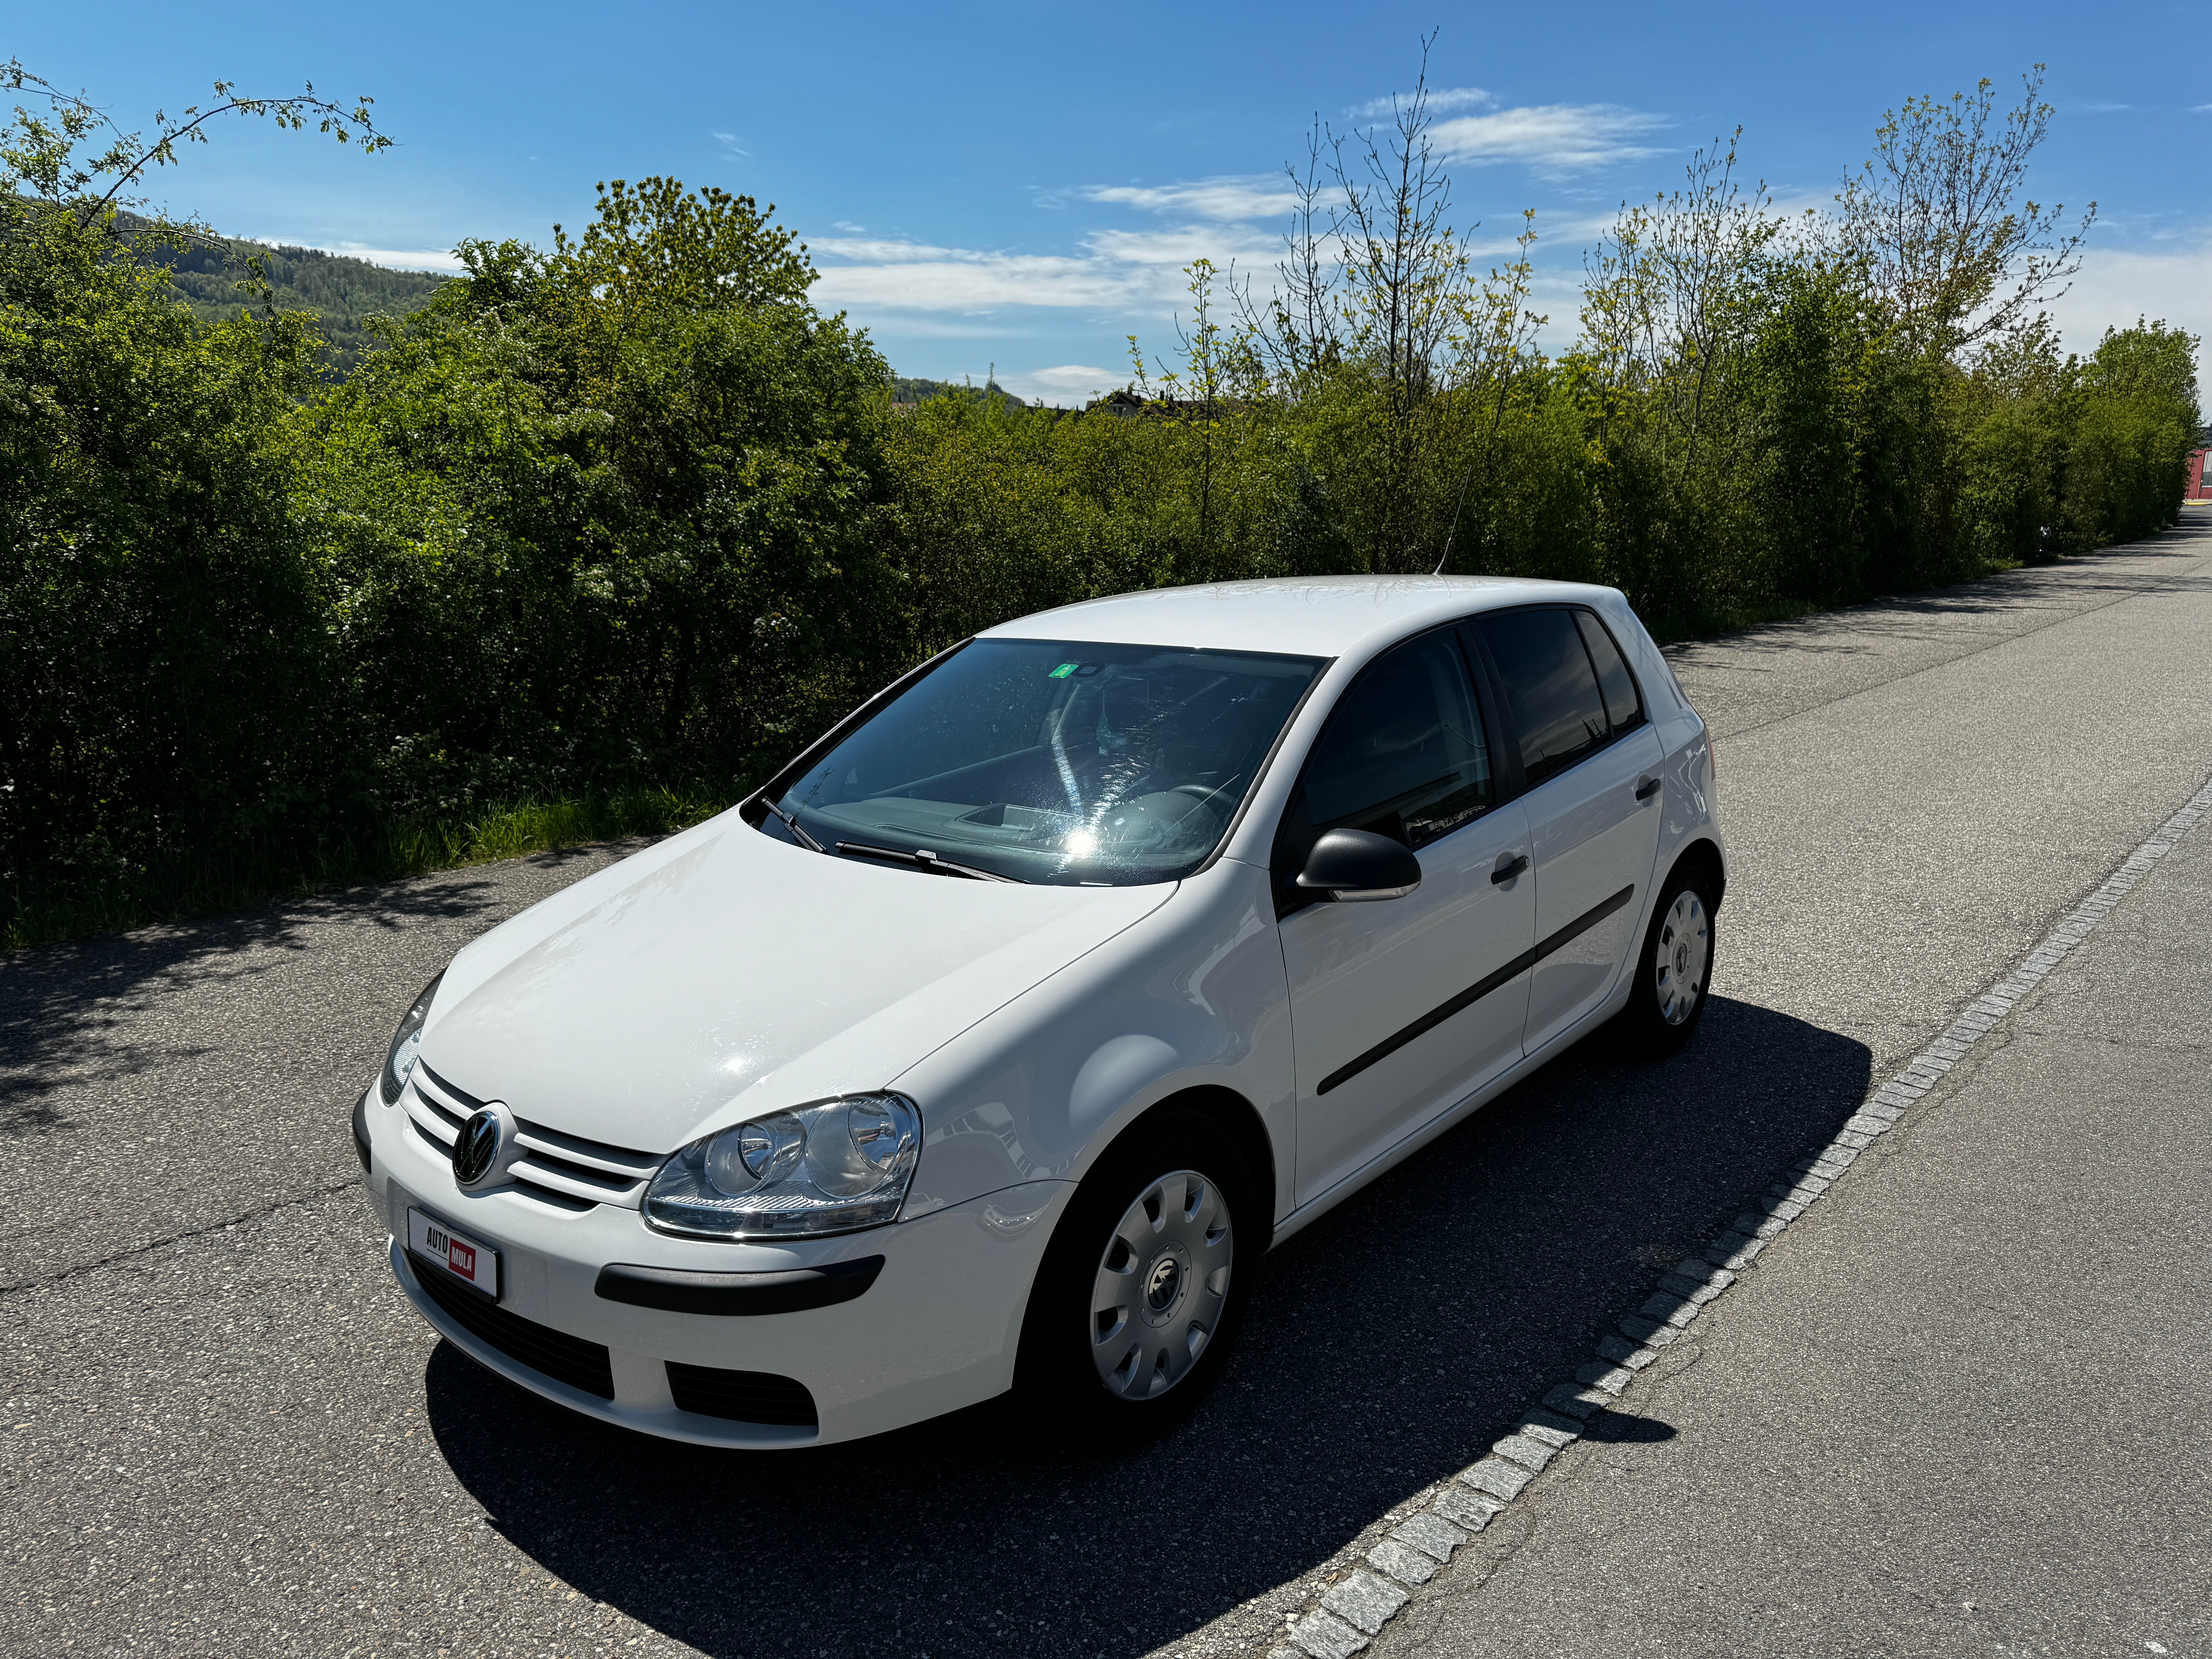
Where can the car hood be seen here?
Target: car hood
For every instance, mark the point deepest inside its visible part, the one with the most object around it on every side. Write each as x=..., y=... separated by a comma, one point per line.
x=724, y=973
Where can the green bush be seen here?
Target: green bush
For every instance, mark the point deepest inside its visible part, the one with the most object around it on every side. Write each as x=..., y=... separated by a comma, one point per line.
x=165, y=668
x=2133, y=424
x=594, y=539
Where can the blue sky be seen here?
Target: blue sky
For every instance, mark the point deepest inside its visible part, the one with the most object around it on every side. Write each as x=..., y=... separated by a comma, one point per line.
x=1021, y=184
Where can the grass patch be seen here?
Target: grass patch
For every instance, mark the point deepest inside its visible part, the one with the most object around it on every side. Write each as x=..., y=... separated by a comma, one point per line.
x=510, y=831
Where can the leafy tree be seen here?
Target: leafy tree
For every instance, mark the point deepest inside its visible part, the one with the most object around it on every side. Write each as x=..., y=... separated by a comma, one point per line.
x=2136, y=420
x=631, y=483
x=162, y=658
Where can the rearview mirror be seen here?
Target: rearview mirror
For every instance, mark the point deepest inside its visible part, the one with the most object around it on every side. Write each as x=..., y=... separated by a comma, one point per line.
x=1353, y=866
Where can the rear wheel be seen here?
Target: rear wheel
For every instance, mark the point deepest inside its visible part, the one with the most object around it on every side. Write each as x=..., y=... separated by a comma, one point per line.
x=1137, y=1302
x=1668, y=999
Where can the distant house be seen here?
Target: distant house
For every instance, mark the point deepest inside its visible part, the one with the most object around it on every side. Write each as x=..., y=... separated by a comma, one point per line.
x=1125, y=405
x=2200, y=487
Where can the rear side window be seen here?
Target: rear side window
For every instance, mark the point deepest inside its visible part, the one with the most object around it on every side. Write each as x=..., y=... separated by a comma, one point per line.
x=1403, y=755
x=1622, y=706
x=1552, y=686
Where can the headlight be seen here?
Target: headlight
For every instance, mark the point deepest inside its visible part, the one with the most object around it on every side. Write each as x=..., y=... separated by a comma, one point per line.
x=833, y=1168
x=406, y=1043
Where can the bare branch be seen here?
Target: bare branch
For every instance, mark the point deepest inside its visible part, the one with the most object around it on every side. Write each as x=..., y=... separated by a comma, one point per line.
x=41, y=157
x=1932, y=218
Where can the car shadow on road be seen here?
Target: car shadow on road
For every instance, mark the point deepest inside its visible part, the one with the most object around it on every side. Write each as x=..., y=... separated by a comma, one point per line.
x=1386, y=1347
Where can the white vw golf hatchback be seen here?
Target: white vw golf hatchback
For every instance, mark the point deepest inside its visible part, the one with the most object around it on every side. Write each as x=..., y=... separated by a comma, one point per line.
x=988, y=1045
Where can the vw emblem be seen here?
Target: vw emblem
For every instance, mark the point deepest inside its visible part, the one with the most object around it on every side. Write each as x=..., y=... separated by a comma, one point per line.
x=1166, y=1279
x=476, y=1148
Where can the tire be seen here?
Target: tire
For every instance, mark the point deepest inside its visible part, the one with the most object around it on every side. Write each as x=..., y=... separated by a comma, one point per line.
x=1162, y=1217
x=1673, y=970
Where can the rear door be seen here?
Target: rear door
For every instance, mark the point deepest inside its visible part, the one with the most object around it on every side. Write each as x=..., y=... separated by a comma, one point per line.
x=1401, y=1008
x=1590, y=762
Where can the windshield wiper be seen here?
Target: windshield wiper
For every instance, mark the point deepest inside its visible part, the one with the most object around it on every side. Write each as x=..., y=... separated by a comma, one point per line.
x=792, y=824
x=922, y=859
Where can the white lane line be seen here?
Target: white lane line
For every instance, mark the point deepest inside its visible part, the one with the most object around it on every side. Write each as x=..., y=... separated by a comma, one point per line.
x=1343, y=1618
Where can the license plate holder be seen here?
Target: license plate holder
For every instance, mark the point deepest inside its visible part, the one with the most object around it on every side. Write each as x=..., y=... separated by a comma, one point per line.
x=442, y=1249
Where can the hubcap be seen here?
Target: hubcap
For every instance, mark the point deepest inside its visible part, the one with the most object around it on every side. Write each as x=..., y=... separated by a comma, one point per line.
x=1163, y=1282
x=1680, y=962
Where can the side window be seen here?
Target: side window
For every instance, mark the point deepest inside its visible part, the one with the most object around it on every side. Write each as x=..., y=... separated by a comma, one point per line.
x=1404, y=754
x=1622, y=706
x=1549, y=681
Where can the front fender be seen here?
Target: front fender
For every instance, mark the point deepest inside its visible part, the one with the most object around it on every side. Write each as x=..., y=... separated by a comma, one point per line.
x=1192, y=996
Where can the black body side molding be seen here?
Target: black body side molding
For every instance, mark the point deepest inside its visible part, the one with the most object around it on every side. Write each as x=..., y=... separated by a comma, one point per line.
x=1474, y=993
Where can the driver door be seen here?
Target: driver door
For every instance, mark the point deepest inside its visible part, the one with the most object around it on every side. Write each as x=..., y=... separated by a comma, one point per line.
x=1400, y=1009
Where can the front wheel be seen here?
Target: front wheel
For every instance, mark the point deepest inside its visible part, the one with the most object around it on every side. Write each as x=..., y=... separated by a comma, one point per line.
x=1137, y=1302
x=1672, y=972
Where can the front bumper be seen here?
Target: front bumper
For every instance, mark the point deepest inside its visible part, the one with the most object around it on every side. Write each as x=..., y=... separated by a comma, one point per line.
x=935, y=1331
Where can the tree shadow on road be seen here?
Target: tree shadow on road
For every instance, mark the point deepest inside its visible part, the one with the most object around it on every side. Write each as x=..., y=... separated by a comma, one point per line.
x=1386, y=1347
x=2074, y=585
x=80, y=1011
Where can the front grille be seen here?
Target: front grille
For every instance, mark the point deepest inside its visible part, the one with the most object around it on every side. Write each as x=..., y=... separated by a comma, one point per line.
x=567, y=1171
x=564, y=1357
x=742, y=1396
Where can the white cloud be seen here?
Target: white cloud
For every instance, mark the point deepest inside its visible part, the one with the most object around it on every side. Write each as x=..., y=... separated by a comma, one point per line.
x=1137, y=273
x=1120, y=277
x=2116, y=286
x=1178, y=248
x=945, y=326
x=1068, y=385
x=1441, y=102
x=728, y=141
x=876, y=250
x=1551, y=137
x=914, y=277
x=1257, y=195
x=1076, y=377
x=397, y=259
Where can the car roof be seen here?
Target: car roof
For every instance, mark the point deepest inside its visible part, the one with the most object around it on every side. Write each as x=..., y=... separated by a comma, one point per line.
x=1302, y=615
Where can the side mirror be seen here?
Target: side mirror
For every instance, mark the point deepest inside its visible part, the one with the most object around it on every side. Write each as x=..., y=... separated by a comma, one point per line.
x=1355, y=865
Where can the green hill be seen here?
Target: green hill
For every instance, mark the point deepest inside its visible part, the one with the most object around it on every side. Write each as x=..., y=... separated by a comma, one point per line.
x=342, y=290
x=907, y=390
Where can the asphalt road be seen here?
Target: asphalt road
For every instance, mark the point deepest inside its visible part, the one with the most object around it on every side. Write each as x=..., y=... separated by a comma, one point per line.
x=226, y=1431
x=1959, y=1408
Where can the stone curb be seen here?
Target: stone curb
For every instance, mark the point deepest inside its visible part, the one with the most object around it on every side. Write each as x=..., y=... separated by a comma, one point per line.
x=1359, y=1604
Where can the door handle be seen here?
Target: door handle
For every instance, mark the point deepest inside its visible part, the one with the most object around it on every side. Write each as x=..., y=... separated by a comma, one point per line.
x=1508, y=867
x=1646, y=787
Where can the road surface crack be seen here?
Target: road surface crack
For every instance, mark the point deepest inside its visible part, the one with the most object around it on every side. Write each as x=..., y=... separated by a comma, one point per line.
x=188, y=1234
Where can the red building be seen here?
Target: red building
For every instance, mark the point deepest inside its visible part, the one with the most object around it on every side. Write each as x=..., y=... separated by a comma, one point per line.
x=2200, y=487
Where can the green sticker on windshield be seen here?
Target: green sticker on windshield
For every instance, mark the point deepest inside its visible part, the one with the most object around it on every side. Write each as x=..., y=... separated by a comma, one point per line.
x=1062, y=671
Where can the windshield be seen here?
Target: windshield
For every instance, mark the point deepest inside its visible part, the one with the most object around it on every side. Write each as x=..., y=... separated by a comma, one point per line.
x=1054, y=761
